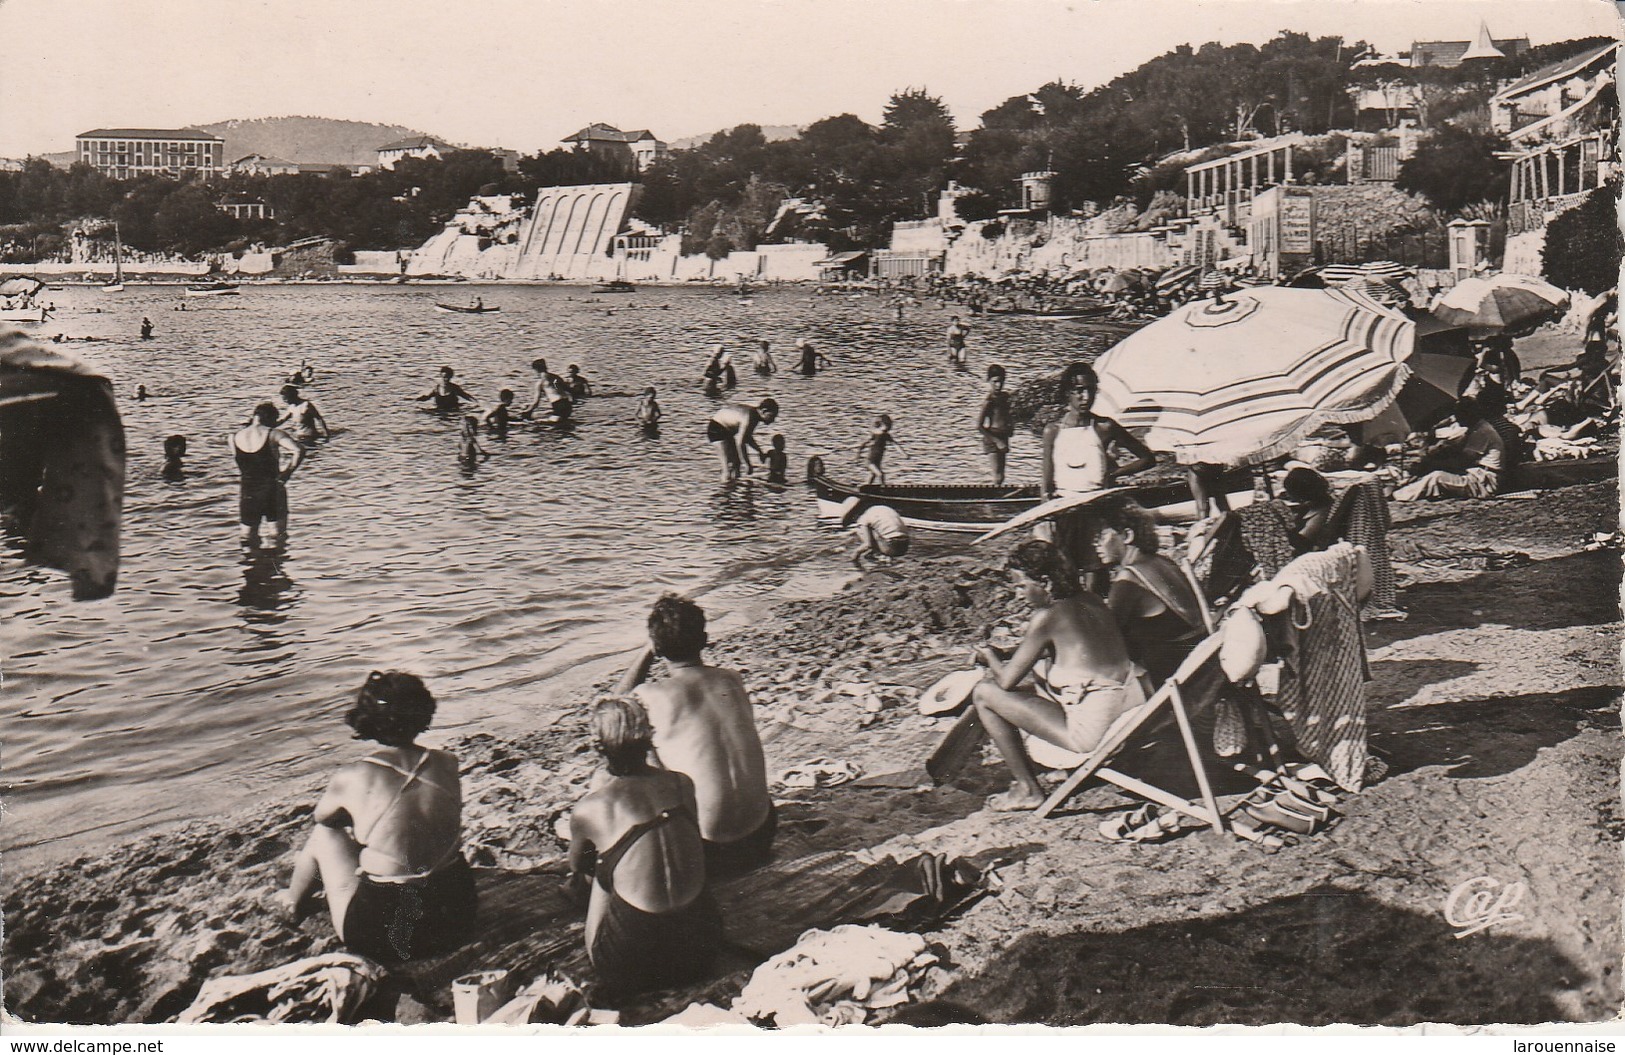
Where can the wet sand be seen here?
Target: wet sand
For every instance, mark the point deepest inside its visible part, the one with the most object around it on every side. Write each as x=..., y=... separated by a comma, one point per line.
x=1495, y=706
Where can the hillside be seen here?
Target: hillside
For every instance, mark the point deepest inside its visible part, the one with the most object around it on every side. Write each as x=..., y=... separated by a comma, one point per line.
x=308, y=140
x=771, y=133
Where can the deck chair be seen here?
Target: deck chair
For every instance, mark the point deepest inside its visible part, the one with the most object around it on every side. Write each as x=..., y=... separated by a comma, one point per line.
x=1197, y=683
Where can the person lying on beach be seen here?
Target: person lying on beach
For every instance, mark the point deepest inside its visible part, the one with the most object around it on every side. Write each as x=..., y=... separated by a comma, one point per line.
x=499, y=417
x=447, y=394
x=304, y=422
x=733, y=429
x=778, y=460
x=880, y=532
x=875, y=446
x=704, y=727
x=635, y=845
x=1082, y=677
x=551, y=391
x=1156, y=609
x=387, y=843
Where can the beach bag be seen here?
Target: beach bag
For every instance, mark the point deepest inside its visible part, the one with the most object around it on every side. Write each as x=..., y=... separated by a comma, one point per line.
x=1243, y=649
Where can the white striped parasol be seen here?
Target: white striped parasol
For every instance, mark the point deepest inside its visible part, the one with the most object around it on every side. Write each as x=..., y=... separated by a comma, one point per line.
x=1245, y=379
x=1379, y=270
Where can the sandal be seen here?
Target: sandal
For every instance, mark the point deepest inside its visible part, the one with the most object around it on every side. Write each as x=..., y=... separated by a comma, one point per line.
x=1141, y=825
x=1277, y=816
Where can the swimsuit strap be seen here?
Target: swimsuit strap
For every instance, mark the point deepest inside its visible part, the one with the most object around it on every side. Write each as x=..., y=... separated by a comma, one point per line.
x=605, y=872
x=1156, y=591
x=410, y=776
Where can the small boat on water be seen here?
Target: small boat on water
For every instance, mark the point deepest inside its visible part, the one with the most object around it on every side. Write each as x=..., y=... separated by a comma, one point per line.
x=31, y=313
x=977, y=508
x=18, y=303
x=466, y=309
x=617, y=285
x=1062, y=314
x=212, y=289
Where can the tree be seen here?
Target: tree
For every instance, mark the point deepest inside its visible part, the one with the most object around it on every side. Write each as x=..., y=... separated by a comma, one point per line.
x=1583, y=245
x=1455, y=167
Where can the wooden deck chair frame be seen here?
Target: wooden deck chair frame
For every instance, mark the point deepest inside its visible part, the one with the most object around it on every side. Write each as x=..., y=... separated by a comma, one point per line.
x=1095, y=765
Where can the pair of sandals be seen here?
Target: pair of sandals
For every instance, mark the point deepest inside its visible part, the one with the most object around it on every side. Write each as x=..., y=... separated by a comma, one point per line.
x=1143, y=825
x=1301, y=802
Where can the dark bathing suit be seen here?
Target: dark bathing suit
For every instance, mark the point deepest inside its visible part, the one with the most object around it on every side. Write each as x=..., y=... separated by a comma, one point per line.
x=262, y=497
x=635, y=951
x=412, y=915
x=742, y=855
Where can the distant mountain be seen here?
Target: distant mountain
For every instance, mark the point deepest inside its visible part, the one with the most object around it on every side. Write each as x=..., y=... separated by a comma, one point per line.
x=772, y=133
x=307, y=140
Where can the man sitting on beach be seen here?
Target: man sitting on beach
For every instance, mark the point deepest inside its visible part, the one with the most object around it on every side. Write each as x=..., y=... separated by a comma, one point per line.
x=703, y=727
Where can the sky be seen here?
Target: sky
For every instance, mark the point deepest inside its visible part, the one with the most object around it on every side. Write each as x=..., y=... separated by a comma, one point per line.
x=525, y=73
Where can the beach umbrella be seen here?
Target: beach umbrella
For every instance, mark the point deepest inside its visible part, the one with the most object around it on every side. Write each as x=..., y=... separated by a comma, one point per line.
x=1382, y=291
x=1501, y=303
x=1243, y=379
x=1213, y=280
x=1440, y=367
x=1380, y=270
x=1121, y=282
x=1177, y=278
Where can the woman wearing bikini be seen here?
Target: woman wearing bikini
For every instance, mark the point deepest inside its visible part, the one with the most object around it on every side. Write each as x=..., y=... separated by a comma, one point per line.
x=1082, y=677
x=635, y=842
x=387, y=846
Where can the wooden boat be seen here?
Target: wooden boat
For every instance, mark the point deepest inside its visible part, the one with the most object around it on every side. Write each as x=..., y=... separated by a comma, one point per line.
x=30, y=313
x=976, y=508
x=618, y=285
x=466, y=309
x=1053, y=313
x=212, y=289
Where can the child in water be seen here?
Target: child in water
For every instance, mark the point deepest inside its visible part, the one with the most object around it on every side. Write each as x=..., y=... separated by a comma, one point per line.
x=778, y=462
x=876, y=446
x=174, y=457
x=140, y=393
x=648, y=412
x=497, y=418
x=469, y=451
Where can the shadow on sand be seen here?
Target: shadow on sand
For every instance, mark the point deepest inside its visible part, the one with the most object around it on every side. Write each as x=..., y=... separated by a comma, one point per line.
x=1322, y=956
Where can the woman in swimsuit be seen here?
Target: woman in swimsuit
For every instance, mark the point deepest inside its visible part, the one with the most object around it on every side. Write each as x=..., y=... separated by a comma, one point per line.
x=1076, y=454
x=1156, y=608
x=1083, y=679
x=387, y=843
x=635, y=842
x=263, y=495
x=447, y=394
x=304, y=421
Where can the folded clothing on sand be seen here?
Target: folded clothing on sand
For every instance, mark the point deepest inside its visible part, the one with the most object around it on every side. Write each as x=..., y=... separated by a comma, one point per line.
x=831, y=977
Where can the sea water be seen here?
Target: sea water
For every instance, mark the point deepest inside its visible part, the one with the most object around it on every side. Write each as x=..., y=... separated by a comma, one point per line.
x=212, y=679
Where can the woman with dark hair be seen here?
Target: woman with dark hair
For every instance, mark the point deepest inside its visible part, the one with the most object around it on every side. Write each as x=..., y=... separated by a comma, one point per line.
x=263, y=494
x=1309, y=495
x=635, y=842
x=387, y=846
x=1156, y=608
x=1077, y=454
x=1082, y=676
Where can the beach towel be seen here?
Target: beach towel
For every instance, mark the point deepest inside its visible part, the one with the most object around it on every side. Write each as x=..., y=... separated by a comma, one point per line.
x=1361, y=517
x=1323, y=670
x=1236, y=549
x=61, y=462
x=328, y=989
x=836, y=977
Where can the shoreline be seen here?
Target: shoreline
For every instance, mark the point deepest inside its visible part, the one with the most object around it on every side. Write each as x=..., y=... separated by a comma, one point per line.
x=1495, y=704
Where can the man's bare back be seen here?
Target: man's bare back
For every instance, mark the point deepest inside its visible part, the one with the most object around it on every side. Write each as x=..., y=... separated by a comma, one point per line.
x=704, y=727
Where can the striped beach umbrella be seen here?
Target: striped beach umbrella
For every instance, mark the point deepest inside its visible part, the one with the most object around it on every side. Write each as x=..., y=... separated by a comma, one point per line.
x=1379, y=270
x=1177, y=278
x=1501, y=304
x=1245, y=379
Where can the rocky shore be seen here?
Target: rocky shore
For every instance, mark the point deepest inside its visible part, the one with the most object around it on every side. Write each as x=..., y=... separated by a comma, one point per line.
x=1495, y=706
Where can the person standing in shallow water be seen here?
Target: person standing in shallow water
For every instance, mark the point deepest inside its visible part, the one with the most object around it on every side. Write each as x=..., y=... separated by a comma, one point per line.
x=733, y=430
x=447, y=394
x=810, y=358
x=995, y=423
x=263, y=494
x=146, y=328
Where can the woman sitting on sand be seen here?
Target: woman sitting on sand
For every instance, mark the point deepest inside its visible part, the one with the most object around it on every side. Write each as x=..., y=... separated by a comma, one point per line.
x=388, y=836
x=635, y=842
x=1083, y=679
x=1157, y=610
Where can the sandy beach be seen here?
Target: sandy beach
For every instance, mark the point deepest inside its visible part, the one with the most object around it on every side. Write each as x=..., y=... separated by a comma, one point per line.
x=1495, y=706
